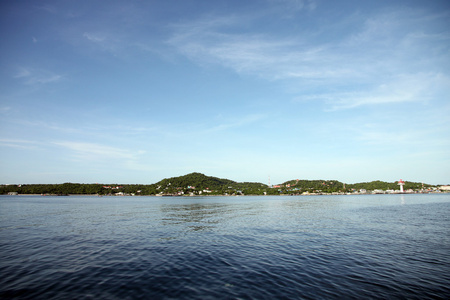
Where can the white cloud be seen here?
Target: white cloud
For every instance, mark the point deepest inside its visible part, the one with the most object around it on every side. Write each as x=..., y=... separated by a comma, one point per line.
x=92, y=151
x=42, y=79
x=256, y=54
x=112, y=42
x=22, y=72
x=237, y=123
x=4, y=109
x=292, y=6
x=32, y=76
x=96, y=38
x=95, y=155
x=19, y=144
x=386, y=61
x=207, y=41
x=421, y=87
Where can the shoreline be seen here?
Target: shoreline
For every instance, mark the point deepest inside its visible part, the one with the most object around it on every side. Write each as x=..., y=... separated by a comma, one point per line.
x=244, y=195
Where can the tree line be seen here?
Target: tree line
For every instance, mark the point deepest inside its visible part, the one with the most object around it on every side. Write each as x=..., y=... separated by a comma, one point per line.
x=197, y=183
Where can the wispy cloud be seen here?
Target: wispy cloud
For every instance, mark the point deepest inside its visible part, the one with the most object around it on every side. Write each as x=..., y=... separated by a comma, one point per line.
x=106, y=41
x=94, y=37
x=46, y=126
x=421, y=87
x=22, y=73
x=247, y=120
x=116, y=30
x=48, y=8
x=383, y=62
x=213, y=41
x=290, y=7
x=4, y=109
x=19, y=144
x=31, y=76
x=93, y=151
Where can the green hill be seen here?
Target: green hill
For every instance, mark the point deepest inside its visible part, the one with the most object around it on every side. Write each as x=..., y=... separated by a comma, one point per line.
x=197, y=180
x=307, y=185
x=383, y=185
x=200, y=182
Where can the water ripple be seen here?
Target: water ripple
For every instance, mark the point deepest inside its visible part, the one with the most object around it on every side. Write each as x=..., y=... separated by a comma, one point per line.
x=215, y=248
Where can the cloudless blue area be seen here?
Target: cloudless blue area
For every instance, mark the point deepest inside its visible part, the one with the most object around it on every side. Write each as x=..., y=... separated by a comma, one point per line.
x=138, y=91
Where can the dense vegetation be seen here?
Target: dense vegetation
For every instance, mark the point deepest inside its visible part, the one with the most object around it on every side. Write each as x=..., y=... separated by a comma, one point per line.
x=325, y=186
x=382, y=185
x=333, y=186
x=197, y=183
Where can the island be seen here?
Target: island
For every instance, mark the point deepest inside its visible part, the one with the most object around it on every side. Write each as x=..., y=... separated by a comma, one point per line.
x=196, y=184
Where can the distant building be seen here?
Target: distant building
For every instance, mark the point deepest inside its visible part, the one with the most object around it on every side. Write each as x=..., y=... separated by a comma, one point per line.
x=377, y=191
x=444, y=187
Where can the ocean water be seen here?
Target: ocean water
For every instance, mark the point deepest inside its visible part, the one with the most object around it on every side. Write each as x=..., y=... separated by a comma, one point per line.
x=281, y=247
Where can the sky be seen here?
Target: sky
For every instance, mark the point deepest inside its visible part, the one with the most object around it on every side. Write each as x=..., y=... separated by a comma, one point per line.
x=137, y=91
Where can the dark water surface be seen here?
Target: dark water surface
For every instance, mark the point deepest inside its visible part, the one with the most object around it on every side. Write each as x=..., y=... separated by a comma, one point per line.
x=306, y=247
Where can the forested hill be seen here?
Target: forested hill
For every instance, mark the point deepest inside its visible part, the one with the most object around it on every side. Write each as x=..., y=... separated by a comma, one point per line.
x=197, y=180
x=193, y=183
x=197, y=183
x=334, y=185
x=383, y=185
x=322, y=185
x=200, y=182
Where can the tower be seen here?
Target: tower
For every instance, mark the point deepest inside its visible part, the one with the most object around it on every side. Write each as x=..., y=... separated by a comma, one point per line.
x=401, y=183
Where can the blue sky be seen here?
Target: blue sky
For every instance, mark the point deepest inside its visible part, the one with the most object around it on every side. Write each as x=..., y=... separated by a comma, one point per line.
x=138, y=91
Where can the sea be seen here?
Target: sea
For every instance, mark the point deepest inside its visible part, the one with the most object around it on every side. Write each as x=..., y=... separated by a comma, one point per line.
x=246, y=247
